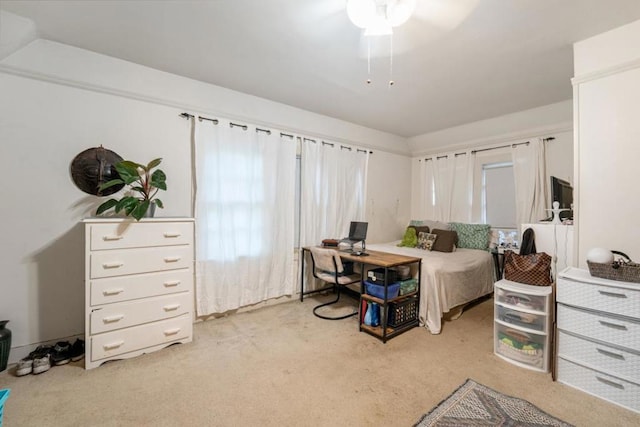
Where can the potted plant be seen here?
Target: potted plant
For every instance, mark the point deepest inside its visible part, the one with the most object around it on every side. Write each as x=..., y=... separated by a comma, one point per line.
x=140, y=180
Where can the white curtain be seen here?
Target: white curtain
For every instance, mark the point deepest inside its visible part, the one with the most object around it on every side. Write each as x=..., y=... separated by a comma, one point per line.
x=423, y=198
x=443, y=175
x=530, y=183
x=244, y=210
x=462, y=192
x=333, y=190
x=446, y=189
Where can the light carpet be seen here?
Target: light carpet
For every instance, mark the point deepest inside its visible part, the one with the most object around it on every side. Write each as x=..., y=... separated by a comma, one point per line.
x=474, y=404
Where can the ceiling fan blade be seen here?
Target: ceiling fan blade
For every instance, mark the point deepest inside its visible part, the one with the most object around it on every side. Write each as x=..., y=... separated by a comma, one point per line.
x=444, y=14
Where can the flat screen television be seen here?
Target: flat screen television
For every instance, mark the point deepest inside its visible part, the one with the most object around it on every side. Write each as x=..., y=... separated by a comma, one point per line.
x=562, y=192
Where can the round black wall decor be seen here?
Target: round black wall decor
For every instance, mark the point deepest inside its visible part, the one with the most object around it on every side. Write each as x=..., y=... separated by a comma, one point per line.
x=94, y=167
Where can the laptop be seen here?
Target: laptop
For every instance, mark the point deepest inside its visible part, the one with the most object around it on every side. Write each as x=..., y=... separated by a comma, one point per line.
x=357, y=233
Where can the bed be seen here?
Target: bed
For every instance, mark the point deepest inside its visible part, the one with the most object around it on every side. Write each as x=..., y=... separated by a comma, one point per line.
x=449, y=279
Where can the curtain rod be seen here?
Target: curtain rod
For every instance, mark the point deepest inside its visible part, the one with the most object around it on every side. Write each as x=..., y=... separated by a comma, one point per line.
x=551, y=138
x=502, y=146
x=268, y=132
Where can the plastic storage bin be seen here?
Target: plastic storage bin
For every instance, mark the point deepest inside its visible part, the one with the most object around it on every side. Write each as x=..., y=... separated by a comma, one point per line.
x=526, y=348
x=402, y=312
x=523, y=319
x=408, y=286
x=377, y=290
x=520, y=299
x=3, y=397
x=376, y=275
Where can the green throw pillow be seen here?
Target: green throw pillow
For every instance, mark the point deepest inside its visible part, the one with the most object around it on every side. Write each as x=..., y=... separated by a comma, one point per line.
x=472, y=236
x=410, y=239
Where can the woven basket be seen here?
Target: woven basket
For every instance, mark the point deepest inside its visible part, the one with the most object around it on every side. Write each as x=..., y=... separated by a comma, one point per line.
x=622, y=271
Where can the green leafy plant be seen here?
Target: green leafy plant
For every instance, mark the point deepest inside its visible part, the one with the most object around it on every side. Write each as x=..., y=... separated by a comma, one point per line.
x=141, y=180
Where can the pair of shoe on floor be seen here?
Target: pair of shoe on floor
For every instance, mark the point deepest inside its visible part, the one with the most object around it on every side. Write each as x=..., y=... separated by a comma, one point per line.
x=41, y=359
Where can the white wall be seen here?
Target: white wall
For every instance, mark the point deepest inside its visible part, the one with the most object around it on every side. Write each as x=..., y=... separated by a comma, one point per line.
x=388, y=196
x=547, y=120
x=57, y=101
x=607, y=101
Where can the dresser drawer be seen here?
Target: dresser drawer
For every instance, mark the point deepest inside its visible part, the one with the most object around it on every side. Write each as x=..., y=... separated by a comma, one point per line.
x=612, y=360
x=119, y=342
x=127, y=234
x=595, y=325
x=116, y=289
x=126, y=314
x=525, y=348
x=599, y=384
x=536, y=322
x=144, y=260
x=521, y=296
x=614, y=300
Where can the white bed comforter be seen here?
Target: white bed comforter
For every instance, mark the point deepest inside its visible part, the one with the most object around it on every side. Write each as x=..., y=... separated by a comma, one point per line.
x=448, y=280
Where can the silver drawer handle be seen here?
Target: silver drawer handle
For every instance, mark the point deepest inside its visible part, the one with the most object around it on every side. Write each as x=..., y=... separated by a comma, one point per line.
x=172, y=283
x=108, y=292
x=171, y=307
x=109, y=238
x=613, y=325
x=112, y=319
x=112, y=265
x=611, y=383
x=172, y=259
x=610, y=354
x=172, y=331
x=113, y=345
x=172, y=235
x=612, y=294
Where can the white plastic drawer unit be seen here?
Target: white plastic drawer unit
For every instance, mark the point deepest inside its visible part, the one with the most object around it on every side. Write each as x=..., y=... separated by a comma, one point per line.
x=599, y=326
x=599, y=336
x=600, y=384
x=623, y=299
x=617, y=361
x=122, y=235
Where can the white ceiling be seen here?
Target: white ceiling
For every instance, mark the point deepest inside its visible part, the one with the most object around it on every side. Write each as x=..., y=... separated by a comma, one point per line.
x=454, y=62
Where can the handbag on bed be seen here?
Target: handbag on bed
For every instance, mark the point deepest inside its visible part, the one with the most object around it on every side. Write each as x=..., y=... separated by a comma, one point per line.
x=531, y=269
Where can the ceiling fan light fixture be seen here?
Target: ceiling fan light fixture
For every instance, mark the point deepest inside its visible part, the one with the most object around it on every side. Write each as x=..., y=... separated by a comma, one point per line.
x=361, y=12
x=378, y=16
x=378, y=26
x=399, y=11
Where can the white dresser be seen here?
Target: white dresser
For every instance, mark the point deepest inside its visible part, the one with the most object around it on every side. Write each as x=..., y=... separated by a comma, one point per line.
x=138, y=286
x=598, y=326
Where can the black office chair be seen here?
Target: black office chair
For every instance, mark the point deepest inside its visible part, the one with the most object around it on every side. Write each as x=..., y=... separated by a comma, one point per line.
x=328, y=267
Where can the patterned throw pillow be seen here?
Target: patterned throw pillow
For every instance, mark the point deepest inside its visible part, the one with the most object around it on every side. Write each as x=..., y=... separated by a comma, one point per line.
x=426, y=241
x=472, y=236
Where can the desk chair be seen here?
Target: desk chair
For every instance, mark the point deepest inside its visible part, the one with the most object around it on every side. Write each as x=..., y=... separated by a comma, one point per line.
x=327, y=266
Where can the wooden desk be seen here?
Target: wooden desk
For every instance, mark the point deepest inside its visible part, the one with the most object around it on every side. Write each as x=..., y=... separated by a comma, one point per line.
x=385, y=260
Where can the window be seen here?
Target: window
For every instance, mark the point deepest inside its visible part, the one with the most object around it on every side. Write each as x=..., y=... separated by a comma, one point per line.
x=232, y=206
x=498, y=195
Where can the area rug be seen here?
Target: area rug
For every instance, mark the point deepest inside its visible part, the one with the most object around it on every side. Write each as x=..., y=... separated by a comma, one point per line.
x=474, y=404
